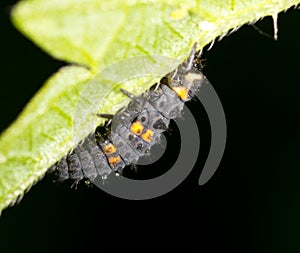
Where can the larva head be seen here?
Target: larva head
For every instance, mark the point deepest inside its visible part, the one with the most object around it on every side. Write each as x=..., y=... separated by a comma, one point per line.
x=186, y=80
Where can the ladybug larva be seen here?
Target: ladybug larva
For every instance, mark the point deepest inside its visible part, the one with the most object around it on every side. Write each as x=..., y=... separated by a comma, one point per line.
x=135, y=128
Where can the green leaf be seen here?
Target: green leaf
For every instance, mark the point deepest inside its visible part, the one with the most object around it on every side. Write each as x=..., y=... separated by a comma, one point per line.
x=102, y=37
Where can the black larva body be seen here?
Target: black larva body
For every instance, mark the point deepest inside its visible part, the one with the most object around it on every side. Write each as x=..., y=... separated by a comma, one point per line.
x=87, y=160
x=134, y=129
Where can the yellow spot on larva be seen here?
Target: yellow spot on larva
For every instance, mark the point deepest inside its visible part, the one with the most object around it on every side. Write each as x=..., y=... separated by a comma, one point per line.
x=181, y=92
x=109, y=149
x=147, y=135
x=136, y=128
x=179, y=14
x=114, y=160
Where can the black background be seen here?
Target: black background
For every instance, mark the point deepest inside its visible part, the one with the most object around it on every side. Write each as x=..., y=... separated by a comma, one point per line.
x=251, y=204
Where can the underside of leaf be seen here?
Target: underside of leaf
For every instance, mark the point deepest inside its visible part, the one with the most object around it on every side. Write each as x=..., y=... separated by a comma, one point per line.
x=106, y=40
